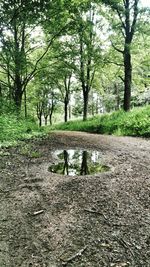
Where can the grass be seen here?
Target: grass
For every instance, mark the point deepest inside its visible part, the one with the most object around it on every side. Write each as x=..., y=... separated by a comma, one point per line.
x=13, y=129
x=133, y=123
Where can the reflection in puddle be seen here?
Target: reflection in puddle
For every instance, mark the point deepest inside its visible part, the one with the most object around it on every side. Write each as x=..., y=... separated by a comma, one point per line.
x=78, y=162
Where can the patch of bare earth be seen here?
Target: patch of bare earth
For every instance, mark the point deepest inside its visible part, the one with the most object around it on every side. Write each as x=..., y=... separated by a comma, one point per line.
x=49, y=220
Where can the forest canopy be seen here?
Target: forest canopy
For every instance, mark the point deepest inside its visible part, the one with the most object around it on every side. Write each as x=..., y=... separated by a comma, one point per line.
x=75, y=58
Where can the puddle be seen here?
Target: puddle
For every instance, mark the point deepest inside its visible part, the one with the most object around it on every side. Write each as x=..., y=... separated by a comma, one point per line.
x=78, y=162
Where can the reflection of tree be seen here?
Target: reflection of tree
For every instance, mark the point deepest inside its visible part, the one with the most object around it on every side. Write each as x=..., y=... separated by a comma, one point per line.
x=84, y=165
x=66, y=163
x=78, y=163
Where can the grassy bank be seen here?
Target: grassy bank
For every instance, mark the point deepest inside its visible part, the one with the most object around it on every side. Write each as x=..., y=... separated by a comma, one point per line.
x=13, y=129
x=133, y=123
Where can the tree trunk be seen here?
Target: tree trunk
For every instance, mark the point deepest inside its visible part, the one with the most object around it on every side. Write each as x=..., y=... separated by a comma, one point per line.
x=45, y=121
x=51, y=112
x=1, y=100
x=25, y=104
x=127, y=78
x=85, y=105
x=69, y=112
x=50, y=118
x=93, y=106
x=39, y=112
x=117, y=97
x=66, y=109
x=18, y=96
x=97, y=105
x=18, y=92
x=40, y=120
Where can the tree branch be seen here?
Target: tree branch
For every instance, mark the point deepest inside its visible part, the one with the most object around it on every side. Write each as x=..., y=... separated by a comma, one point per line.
x=122, y=79
x=4, y=83
x=5, y=69
x=79, y=253
x=136, y=12
x=120, y=17
x=31, y=75
x=92, y=78
x=115, y=63
x=116, y=48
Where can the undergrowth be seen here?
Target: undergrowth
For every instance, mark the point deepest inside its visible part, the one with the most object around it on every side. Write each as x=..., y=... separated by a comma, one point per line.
x=133, y=123
x=13, y=129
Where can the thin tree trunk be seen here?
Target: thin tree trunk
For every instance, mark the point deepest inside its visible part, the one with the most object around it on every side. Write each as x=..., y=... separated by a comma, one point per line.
x=69, y=112
x=85, y=105
x=51, y=112
x=39, y=112
x=25, y=104
x=46, y=121
x=66, y=101
x=127, y=79
x=50, y=118
x=117, y=97
x=97, y=103
x=1, y=100
x=18, y=92
x=40, y=121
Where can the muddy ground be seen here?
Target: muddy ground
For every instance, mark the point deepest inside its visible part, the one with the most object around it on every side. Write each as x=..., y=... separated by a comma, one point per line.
x=50, y=220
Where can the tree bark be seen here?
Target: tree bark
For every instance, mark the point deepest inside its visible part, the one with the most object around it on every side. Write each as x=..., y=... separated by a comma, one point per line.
x=127, y=58
x=46, y=121
x=69, y=112
x=18, y=95
x=66, y=109
x=67, y=85
x=117, y=96
x=51, y=111
x=39, y=111
x=25, y=104
x=127, y=79
x=85, y=104
x=40, y=121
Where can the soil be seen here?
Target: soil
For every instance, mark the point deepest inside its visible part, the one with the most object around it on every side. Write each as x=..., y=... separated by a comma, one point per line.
x=51, y=220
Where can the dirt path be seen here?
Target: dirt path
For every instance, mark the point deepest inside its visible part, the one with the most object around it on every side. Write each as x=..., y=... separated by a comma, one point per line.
x=49, y=220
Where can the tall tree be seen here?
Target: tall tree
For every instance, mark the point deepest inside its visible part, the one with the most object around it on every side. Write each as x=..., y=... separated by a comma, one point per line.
x=127, y=12
x=19, y=19
x=86, y=51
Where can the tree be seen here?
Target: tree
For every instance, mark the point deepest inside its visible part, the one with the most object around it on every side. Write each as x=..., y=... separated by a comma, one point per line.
x=19, y=19
x=87, y=54
x=62, y=71
x=63, y=84
x=127, y=12
x=16, y=18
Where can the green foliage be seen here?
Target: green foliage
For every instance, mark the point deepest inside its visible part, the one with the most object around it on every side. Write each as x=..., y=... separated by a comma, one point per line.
x=13, y=128
x=134, y=123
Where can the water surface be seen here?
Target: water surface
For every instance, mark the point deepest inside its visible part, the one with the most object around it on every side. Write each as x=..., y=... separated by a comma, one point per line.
x=78, y=162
